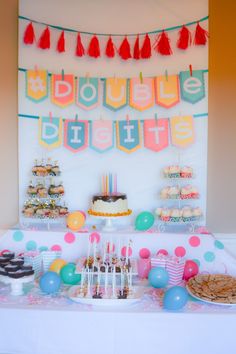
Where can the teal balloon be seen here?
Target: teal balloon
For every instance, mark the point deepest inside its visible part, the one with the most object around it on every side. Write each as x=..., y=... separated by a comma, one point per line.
x=144, y=221
x=68, y=275
x=158, y=277
x=50, y=282
x=175, y=298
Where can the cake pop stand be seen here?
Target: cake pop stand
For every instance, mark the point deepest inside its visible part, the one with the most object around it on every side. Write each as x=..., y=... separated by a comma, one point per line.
x=16, y=284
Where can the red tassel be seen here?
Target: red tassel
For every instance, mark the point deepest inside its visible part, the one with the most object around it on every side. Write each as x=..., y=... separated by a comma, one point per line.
x=200, y=35
x=94, y=48
x=162, y=44
x=124, y=50
x=29, y=34
x=44, y=40
x=136, y=49
x=185, y=38
x=146, y=50
x=79, y=47
x=110, y=50
x=61, y=43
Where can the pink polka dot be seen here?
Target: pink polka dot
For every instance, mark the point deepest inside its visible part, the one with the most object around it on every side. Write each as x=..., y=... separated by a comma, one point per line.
x=144, y=253
x=162, y=251
x=69, y=237
x=194, y=241
x=180, y=251
x=123, y=251
x=94, y=237
x=56, y=248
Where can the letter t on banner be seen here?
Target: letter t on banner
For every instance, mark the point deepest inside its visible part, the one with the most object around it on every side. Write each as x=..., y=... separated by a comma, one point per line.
x=156, y=132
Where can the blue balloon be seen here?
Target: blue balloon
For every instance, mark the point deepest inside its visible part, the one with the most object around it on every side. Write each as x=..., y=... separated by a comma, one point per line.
x=175, y=298
x=158, y=277
x=50, y=282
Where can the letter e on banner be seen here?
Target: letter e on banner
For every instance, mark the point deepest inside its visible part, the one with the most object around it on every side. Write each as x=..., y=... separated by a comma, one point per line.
x=62, y=90
x=76, y=135
x=156, y=133
x=192, y=87
x=102, y=135
x=50, y=132
x=182, y=131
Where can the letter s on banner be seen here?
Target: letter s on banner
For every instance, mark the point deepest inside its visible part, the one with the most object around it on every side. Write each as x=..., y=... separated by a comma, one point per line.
x=182, y=131
x=50, y=132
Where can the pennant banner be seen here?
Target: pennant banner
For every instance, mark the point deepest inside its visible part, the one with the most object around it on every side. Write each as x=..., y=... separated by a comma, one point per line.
x=87, y=95
x=36, y=85
x=102, y=135
x=167, y=90
x=75, y=135
x=182, y=131
x=115, y=93
x=62, y=90
x=141, y=94
x=50, y=132
x=156, y=133
x=192, y=87
x=128, y=135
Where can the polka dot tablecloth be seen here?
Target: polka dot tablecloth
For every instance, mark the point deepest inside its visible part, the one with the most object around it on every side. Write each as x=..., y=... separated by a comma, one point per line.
x=208, y=252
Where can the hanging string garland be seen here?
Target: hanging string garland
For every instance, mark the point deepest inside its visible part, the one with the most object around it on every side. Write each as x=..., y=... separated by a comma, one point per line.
x=161, y=45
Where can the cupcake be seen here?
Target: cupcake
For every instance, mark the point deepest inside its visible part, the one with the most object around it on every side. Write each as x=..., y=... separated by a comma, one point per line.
x=158, y=212
x=187, y=214
x=32, y=191
x=28, y=211
x=186, y=192
x=195, y=193
x=48, y=167
x=197, y=213
x=175, y=215
x=166, y=172
x=174, y=192
x=41, y=171
x=174, y=171
x=165, y=215
x=63, y=211
x=55, y=171
x=186, y=172
x=42, y=191
x=165, y=193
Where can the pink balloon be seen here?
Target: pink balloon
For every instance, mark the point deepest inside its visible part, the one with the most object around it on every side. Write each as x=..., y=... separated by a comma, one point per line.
x=123, y=251
x=94, y=237
x=190, y=270
x=144, y=253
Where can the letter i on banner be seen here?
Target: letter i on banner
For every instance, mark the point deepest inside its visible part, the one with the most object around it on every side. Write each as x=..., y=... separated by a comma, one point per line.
x=62, y=89
x=50, y=132
x=102, y=135
x=142, y=93
x=182, y=131
x=36, y=83
x=128, y=135
x=167, y=90
x=156, y=134
x=75, y=134
x=87, y=92
x=192, y=85
x=115, y=93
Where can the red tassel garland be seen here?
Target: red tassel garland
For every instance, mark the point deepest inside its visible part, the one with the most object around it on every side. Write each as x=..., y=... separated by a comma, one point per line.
x=185, y=38
x=44, y=40
x=124, y=50
x=61, y=43
x=136, y=49
x=79, y=47
x=29, y=34
x=162, y=44
x=94, y=48
x=110, y=50
x=146, y=50
x=201, y=35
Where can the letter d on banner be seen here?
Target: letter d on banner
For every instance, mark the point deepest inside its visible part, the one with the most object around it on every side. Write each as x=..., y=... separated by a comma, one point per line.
x=182, y=131
x=76, y=135
x=50, y=132
x=62, y=90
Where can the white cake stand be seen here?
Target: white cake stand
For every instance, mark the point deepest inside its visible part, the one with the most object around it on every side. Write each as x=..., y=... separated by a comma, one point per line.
x=16, y=284
x=109, y=225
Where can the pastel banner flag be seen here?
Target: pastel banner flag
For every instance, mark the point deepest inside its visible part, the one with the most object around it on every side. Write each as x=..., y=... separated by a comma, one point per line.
x=87, y=92
x=115, y=93
x=50, y=132
x=102, y=135
x=128, y=135
x=167, y=90
x=192, y=87
x=156, y=133
x=141, y=94
x=62, y=89
x=182, y=131
x=36, y=85
x=76, y=134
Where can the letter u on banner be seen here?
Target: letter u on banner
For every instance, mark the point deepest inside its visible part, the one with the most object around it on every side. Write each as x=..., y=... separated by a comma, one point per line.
x=76, y=135
x=182, y=131
x=128, y=135
x=115, y=93
x=62, y=90
x=36, y=83
x=50, y=132
x=156, y=134
x=102, y=135
x=141, y=94
x=87, y=92
x=192, y=87
x=167, y=91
